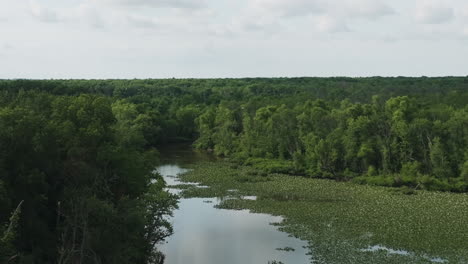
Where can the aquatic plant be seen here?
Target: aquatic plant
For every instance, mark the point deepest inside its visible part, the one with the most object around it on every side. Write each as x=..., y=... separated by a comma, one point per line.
x=338, y=219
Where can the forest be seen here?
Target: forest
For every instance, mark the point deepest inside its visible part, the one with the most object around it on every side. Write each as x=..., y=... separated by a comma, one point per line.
x=77, y=157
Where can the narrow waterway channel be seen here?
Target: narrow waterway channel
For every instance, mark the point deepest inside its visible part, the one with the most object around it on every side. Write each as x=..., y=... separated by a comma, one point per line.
x=204, y=234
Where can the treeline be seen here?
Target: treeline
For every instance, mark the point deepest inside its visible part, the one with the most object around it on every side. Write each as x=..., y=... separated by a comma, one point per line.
x=75, y=181
x=400, y=141
x=213, y=91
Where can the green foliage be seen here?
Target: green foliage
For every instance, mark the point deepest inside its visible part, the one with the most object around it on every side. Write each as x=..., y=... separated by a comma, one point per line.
x=416, y=139
x=439, y=160
x=206, y=123
x=382, y=180
x=271, y=166
x=8, y=236
x=83, y=167
x=464, y=171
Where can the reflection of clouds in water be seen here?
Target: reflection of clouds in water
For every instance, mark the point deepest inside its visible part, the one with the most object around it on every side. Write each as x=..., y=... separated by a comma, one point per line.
x=401, y=253
x=389, y=250
x=206, y=235
x=170, y=172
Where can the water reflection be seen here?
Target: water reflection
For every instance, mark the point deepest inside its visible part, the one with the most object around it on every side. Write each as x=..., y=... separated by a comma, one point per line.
x=170, y=172
x=206, y=235
x=401, y=252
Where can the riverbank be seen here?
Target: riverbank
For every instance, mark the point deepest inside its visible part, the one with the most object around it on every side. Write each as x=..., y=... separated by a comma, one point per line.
x=345, y=222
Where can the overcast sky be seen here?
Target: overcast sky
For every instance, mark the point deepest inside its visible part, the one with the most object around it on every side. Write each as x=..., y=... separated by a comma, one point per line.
x=232, y=38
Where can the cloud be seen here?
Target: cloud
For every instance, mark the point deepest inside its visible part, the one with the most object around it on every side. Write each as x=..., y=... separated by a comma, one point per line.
x=329, y=24
x=7, y=46
x=141, y=22
x=183, y=4
x=328, y=16
x=369, y=9
x=88, y=14
x=433, y=13
x=107, y=14
x=84, y=13
x=465, y=31
x=464, y=12
x=288, y=8
x=252, y=24
x=41, y=13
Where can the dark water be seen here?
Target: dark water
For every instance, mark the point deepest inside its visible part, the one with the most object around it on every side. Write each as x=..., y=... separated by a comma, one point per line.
x=206, y=235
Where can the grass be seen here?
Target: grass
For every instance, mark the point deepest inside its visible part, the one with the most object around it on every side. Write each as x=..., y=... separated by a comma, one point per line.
x=340, y=220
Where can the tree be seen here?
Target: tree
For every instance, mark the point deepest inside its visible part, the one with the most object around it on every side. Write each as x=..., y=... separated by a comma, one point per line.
x=8, y=236
x=439, y=162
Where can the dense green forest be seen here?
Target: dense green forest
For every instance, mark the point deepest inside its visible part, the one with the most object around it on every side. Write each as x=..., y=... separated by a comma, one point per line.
x=75, y=176
x=76, y=156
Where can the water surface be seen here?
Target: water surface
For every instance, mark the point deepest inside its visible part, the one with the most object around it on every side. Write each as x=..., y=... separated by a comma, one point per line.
x=204, y=234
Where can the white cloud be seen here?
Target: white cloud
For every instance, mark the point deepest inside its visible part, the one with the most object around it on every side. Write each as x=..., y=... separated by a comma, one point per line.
x=85, y=13
x=288, y=8
x=433, y=13
x=7, y=46
x=141, y=21
x=465, y=11
x=41, y=13
x=465, y=31
x=184, y=4
x=253, y=24
x=109, y=15
x=369, y=9
x=329, y=24
x=328, y=16
x=89, y=14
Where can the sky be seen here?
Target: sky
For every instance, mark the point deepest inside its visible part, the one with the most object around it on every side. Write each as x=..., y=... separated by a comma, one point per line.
x=62, y=39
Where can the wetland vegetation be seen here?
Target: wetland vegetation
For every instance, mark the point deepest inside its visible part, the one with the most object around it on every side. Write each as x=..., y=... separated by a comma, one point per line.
x=345, y=222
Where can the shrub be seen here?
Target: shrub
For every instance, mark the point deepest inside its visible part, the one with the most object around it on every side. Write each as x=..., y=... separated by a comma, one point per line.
x=271, y=165
x=382, y=180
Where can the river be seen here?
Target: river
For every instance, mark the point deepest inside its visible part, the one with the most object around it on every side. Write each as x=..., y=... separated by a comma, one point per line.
x=204, y=234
